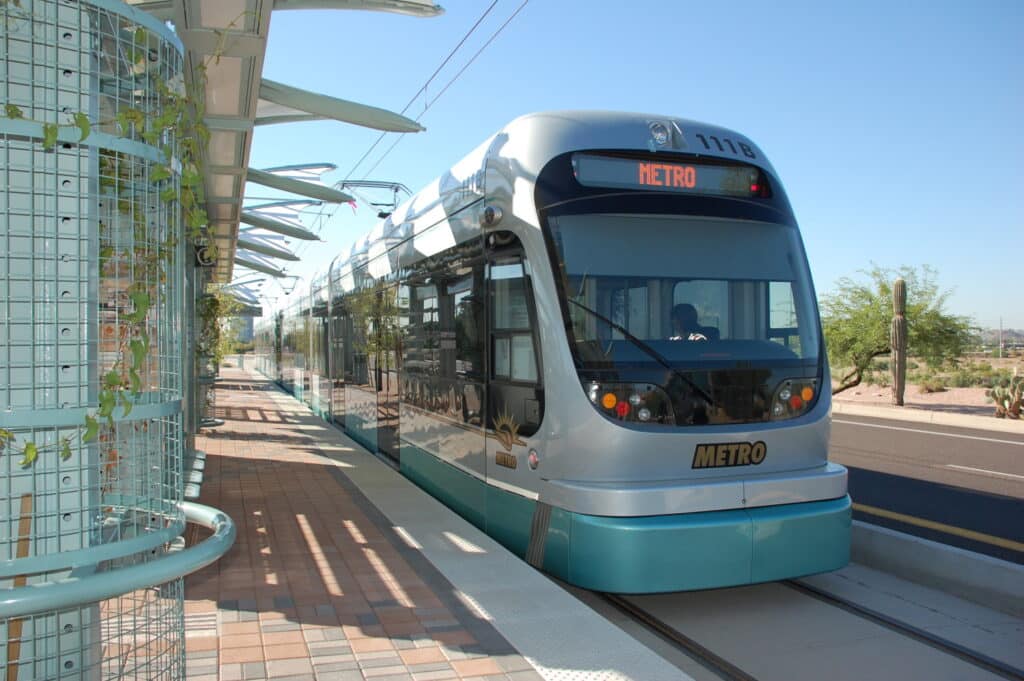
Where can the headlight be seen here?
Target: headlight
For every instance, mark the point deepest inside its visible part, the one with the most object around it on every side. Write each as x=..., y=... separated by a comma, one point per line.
x=794, y=397
x=631, y=402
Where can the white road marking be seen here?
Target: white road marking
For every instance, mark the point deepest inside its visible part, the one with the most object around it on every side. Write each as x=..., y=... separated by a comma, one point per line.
x=986, y=471
x=929, y=432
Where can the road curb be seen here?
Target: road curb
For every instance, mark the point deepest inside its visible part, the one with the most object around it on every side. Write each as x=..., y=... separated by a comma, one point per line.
x=994, y=583
x=929, y=416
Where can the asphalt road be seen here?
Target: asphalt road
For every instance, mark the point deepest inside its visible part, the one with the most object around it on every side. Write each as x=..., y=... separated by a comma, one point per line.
x=959, y=486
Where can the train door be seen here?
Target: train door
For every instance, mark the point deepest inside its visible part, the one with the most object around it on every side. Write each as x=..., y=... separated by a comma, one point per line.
x=336, y=369
x=386, y=371
x=361, y=367
x=515, y=402
x=278, y=333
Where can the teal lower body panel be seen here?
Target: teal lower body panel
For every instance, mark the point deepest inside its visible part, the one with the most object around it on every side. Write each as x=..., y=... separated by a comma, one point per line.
x=649, y=554
x=361, y=416
x=456, y=489
x=660, y=553
x=706, y=550
x=800, y=539
x=509, y=517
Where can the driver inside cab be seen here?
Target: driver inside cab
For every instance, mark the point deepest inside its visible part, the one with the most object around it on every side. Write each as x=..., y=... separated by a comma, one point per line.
x=686, y=327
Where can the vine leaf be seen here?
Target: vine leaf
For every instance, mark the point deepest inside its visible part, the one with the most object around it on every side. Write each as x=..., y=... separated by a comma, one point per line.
x=92, y=429
x=13, y=111
x=141, y=301
x=190, y=176
x=82, y=121
x=136, y=381
x=126, y=118
x=126, y=403
x=139, y=350
x=65, y=448
x=50, y=131
x=107, y=403
x=5, y=437
x=112, y=379
x=196, y=219
x=30, y=454
x=160, y=173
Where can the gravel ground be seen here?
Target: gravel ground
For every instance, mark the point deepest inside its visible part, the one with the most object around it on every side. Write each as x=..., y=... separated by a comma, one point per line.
x=960, y=400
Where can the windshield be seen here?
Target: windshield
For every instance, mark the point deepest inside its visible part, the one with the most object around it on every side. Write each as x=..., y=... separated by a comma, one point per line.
x=739, y=287
x=718, y=313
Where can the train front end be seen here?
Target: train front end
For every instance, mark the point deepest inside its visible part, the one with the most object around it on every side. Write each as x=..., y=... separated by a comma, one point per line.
x=685, y=442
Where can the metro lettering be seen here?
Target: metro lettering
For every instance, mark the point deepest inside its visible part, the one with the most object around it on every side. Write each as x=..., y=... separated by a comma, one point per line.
x=666, y=175
x=728, y=454
x=703, y=457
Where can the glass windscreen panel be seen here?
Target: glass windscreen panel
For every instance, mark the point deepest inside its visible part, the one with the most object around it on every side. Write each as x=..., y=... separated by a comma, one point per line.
x=722, y=308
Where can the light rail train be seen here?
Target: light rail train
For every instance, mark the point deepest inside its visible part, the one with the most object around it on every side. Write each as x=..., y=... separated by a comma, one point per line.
x=596, y=338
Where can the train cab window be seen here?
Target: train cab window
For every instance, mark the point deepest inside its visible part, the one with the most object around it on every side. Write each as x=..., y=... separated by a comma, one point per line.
x=514, y=355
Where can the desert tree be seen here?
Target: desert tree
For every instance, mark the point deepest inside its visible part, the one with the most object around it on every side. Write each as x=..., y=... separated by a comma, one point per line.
x=857, y=315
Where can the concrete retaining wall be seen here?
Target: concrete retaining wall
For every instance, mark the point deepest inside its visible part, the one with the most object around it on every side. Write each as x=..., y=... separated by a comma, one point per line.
x=994, y=583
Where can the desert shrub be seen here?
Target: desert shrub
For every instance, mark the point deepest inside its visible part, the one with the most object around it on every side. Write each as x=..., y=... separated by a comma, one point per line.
x=932, y=385
x=963, y=379
x=918, y=375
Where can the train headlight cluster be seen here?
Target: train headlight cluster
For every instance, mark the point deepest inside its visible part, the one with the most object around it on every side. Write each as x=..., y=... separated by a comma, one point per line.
x=635, y=402
x=794, y=397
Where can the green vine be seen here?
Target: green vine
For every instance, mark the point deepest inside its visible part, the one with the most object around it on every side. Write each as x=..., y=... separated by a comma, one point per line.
x=212, y=342
x=179, y=114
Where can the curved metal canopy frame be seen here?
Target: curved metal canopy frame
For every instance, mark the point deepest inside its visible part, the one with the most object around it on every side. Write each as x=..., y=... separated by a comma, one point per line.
x=228, y=39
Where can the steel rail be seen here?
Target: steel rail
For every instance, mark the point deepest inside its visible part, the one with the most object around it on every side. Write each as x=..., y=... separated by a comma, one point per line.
x=702, y=655
x=923, y=636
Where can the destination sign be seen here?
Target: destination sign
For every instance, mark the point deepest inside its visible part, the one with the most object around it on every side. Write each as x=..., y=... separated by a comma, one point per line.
x=689, y=178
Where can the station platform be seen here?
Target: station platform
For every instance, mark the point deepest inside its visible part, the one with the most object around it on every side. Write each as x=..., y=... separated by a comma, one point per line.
x=343, y=569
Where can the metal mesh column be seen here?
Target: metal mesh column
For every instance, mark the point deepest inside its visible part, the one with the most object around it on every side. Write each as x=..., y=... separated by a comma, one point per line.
x=92, y=294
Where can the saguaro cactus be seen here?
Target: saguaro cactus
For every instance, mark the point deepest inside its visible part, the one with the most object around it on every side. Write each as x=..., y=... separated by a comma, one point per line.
x=1009, y=399
x=898, y=341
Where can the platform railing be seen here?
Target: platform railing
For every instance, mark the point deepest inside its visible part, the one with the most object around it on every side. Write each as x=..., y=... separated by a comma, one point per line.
x=99, y=586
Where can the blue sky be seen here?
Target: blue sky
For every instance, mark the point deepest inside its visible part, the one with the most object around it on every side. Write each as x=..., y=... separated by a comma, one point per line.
x=897, y=127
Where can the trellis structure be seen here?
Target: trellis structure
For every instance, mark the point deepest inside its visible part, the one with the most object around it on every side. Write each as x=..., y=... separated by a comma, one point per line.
x=93, y=305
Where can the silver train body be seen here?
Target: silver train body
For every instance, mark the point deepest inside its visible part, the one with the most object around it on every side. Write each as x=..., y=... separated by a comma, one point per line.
x=510, y=339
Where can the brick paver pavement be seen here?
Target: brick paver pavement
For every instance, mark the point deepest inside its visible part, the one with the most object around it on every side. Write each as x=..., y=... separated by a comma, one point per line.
x=318, y=584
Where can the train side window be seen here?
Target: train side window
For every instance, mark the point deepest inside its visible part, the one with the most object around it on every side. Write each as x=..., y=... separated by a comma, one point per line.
x=467, y=318
x=514, y=353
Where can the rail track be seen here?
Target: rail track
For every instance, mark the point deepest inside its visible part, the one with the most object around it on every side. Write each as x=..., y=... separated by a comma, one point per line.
x=725, y=669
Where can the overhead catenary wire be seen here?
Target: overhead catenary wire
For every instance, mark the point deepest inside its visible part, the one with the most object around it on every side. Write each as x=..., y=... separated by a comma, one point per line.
x=422, y=89
x=450, y=82
x=425, y=85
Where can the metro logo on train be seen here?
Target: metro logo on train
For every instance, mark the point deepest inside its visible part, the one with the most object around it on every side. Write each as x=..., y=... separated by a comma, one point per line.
x=725, y=454
x=667, y=175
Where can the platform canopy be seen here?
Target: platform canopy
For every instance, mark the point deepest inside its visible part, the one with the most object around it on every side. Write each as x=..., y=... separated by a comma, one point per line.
x=229, y=37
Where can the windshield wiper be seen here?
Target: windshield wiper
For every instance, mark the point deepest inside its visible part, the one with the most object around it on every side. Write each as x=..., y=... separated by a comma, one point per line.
x=645, y=347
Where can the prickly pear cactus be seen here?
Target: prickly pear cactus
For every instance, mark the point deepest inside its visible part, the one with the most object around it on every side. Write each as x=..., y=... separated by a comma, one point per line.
x=1008, y=398
x=898, y=341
